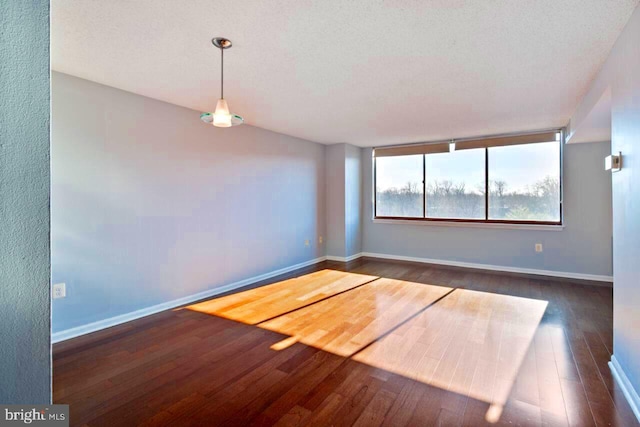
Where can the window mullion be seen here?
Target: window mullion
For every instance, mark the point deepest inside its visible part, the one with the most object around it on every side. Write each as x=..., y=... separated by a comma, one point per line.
x=486, y=183
x=424, y=186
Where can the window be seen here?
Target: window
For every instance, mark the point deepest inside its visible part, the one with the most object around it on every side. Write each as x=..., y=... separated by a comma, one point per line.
x=455, y=184
x=524, y=182
x=512, y=179
x=399, y=190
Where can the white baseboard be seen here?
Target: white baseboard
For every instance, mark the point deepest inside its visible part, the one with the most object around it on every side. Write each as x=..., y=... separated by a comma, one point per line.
x=627, y=389
x=552, y=273
x=343, y=259
x=127, y=317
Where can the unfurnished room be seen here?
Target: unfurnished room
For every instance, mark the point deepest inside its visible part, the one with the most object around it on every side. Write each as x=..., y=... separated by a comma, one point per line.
x=305, y=213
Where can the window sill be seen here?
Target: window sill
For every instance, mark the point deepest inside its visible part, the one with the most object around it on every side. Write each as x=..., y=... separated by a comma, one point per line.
x=506, y=226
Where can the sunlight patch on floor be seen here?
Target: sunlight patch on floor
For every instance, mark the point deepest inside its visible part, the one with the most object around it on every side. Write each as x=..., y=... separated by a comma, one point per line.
x=348, y=322
x=266, y=302
x=470, y=343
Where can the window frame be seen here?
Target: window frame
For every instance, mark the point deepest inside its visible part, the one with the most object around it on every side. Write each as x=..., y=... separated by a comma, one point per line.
x=486, y=219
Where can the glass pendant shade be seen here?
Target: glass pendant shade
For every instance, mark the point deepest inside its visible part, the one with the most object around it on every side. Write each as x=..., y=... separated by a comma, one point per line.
x=209, y=117
x=222, y=118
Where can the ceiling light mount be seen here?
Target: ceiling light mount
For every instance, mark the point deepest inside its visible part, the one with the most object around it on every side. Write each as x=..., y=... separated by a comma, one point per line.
x=222, y=117
x=221, y=42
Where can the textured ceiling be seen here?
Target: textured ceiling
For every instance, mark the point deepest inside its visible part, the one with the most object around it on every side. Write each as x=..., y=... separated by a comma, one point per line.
x=359, y=71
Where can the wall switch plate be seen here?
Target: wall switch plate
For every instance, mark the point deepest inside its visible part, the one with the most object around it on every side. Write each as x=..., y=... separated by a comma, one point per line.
x=59, y=290
x=538, y=247
x=306, y=242
x=320, y=239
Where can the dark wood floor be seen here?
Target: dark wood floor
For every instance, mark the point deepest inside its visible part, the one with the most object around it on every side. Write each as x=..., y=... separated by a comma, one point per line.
x=461, y=348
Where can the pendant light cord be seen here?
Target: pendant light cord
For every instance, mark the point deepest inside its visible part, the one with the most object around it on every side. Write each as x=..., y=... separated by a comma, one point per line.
x=222, y=73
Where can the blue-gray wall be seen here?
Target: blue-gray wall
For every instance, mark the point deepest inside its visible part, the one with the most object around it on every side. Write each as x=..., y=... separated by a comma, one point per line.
x=621, y=75
x=625, y=130
x=583, y=246
x=344, y=200
x=25, y=350
x=336, y=232
x=353, y=199
x=149, y=204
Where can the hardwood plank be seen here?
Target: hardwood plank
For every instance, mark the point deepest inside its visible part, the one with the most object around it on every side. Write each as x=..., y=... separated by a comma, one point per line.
x=578, y=409
x=376, y=410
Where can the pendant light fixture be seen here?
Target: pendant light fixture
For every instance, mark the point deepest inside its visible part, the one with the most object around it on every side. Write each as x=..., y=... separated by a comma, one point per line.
x=222, y=117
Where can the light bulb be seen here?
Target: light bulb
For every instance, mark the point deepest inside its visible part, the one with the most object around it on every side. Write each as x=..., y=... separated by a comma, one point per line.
x=221, y=121
x=221, y=117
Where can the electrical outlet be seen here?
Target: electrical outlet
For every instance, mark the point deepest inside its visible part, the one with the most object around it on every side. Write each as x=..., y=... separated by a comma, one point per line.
x=538, y=247
x=320, y=239
x=59, y=290
x=306, y=242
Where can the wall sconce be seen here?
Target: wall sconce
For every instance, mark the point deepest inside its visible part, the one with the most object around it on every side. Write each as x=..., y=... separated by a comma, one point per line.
x=613, y=162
